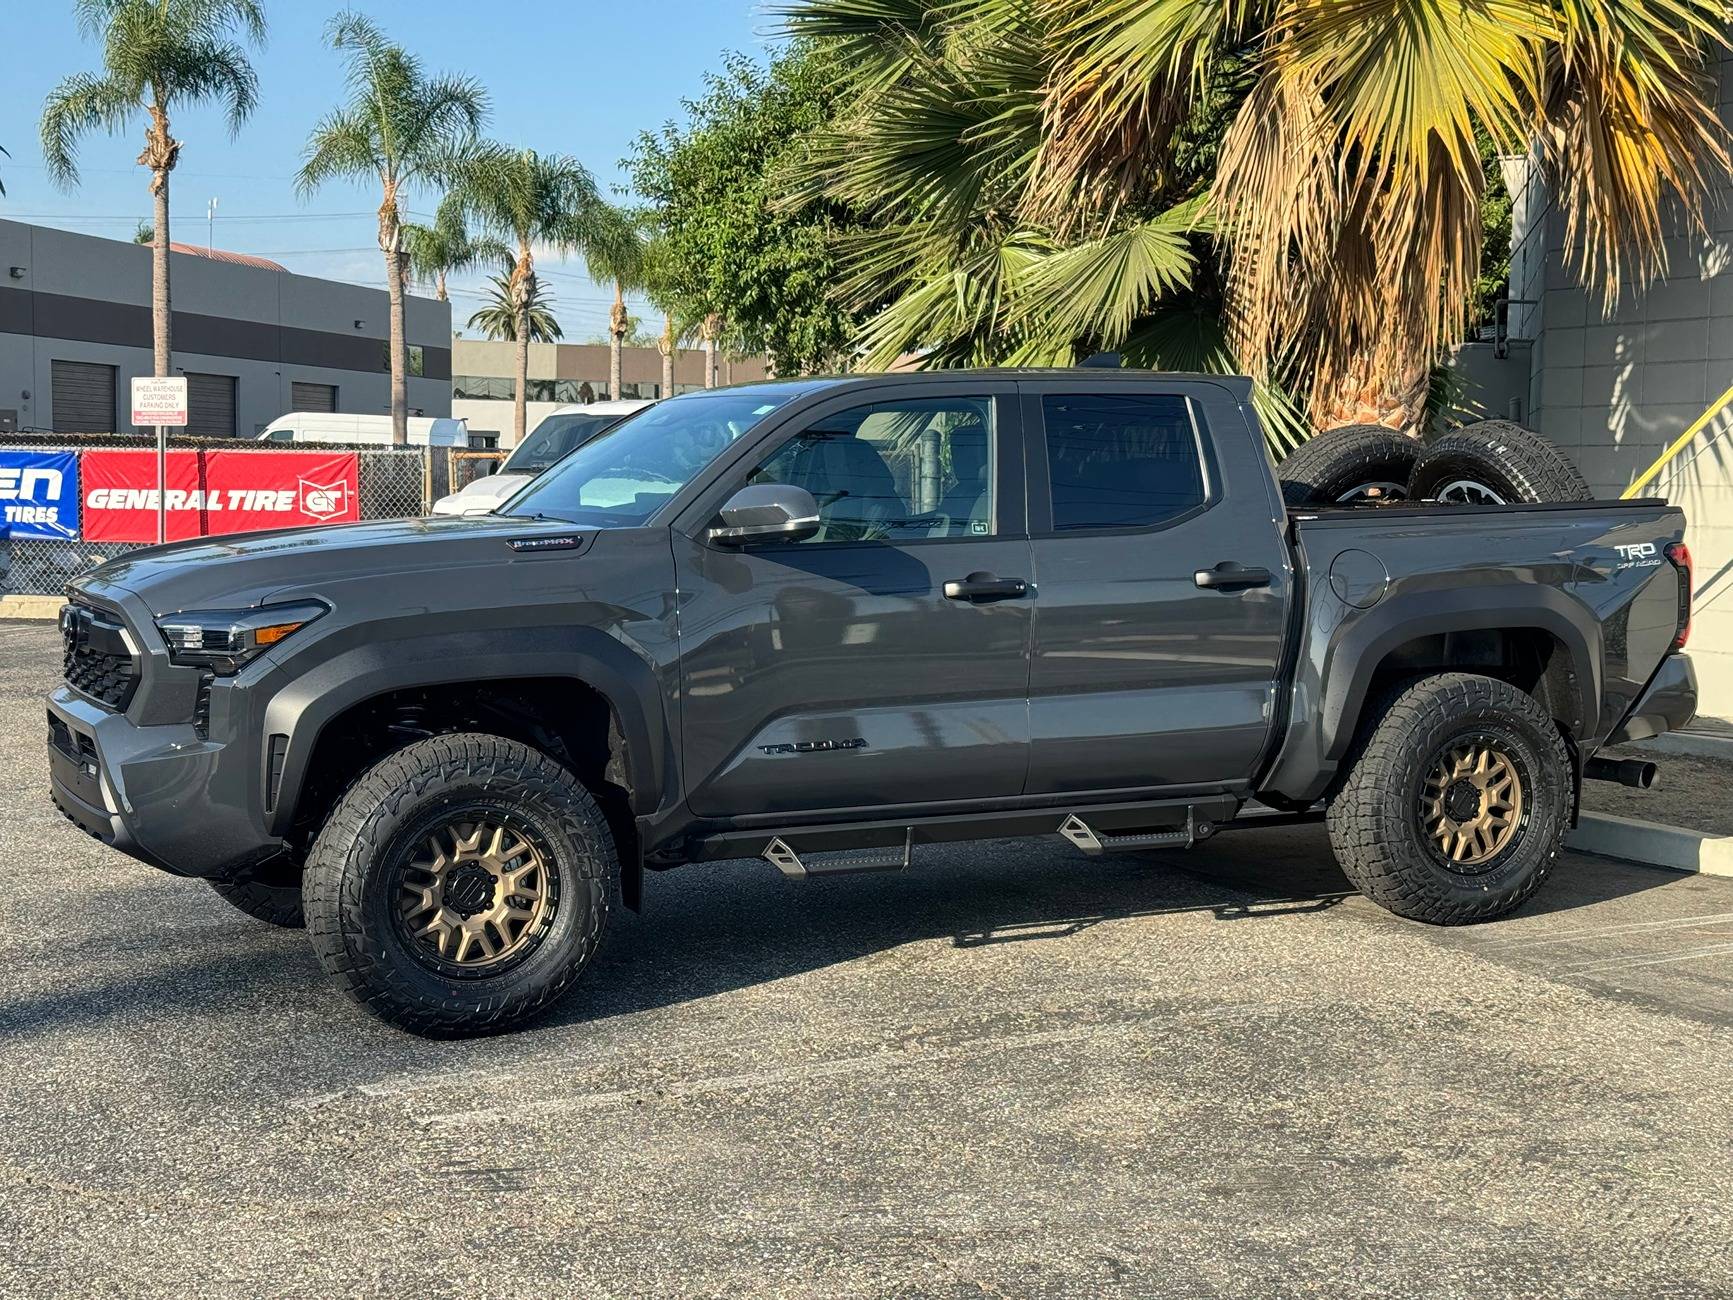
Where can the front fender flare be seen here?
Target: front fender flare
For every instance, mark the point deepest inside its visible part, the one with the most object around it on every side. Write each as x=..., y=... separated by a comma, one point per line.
x=317, y=696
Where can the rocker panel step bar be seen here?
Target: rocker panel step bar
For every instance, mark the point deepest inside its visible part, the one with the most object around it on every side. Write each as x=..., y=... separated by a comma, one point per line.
x=781, y=855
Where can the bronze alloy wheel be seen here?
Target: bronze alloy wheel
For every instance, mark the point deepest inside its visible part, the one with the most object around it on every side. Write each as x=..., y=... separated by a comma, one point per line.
x=476, y=894
x=1471, y=804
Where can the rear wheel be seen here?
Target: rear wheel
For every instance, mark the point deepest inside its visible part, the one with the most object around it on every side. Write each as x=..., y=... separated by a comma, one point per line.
x=461, y=885
x=1495, y=462
x=1456, y=801
x=1356, y=462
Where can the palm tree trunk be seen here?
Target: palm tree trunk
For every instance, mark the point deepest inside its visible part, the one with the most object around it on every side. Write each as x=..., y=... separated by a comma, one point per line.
x=1385, y=384
x=712, y=327
x=667, y=349
x=618, y=323
x=521, y=272
x=161, y=301
x=161, y=150
x=391, y=244
x=439, y=289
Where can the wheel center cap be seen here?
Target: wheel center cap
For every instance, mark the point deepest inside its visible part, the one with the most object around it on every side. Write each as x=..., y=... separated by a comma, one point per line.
x=469, y=889
x=1462, y=801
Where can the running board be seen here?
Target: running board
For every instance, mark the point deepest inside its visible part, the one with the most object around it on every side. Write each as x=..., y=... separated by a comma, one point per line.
x=1092, y=842
x=781, y=855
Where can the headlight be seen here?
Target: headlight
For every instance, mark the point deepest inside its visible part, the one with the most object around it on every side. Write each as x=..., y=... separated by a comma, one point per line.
x=225, y=640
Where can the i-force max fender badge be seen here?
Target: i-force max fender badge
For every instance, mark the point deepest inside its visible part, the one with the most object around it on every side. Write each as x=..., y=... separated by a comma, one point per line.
x=814, y=746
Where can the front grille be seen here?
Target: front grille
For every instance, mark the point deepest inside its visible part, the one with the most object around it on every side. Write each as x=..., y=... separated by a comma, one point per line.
x=96, y=659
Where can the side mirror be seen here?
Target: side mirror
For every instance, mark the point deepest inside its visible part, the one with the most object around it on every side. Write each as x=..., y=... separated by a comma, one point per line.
x=766, y=512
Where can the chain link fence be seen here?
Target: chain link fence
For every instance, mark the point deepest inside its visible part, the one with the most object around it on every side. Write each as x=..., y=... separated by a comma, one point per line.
x=393, y=483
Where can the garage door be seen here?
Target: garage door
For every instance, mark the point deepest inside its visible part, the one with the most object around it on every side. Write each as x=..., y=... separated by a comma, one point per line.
x=83, y=397
x=211, y=405
x=312, y=397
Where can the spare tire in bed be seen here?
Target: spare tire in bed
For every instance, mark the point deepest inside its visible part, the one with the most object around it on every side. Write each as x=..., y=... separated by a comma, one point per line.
x=1495, y=462
x=1356, y=462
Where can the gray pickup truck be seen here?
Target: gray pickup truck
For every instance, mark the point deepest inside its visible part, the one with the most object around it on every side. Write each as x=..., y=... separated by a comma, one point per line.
x=829, y=622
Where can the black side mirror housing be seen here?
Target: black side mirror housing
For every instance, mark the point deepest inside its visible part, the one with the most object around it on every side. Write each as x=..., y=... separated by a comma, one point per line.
x=766, y=512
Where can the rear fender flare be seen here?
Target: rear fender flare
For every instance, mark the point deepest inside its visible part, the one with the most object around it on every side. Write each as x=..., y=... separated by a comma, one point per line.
x=1342, y=671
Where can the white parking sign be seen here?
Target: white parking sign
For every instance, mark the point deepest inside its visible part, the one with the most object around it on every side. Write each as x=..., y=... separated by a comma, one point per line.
x=160, y=402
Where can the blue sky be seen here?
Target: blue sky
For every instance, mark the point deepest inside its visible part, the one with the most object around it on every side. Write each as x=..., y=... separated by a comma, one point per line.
x=597, y=74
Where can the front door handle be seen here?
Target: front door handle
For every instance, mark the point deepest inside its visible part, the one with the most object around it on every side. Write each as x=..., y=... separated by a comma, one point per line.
x=979, y=588
x=1231, y=576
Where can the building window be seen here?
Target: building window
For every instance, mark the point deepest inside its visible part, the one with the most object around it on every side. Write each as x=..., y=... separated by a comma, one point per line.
x=417, y=359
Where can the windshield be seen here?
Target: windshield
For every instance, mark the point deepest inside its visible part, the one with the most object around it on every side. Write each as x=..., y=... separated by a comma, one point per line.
x=619, y=479
x=553, y=438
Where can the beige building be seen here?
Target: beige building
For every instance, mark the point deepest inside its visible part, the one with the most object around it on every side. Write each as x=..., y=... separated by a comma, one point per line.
x=483, y=379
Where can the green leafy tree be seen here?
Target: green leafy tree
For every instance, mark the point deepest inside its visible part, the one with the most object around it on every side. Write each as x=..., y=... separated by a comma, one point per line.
x=1289, y=187
x=157, y=55
x=529, y=199
x=499, y=318
x=401, y=128
x=714, y=182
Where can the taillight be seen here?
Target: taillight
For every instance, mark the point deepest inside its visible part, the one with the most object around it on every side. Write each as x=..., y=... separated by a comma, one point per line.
x=1680, y=555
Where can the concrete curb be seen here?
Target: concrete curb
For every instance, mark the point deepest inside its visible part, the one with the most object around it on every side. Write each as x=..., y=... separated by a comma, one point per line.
x=1653, y=844
x=47, y=607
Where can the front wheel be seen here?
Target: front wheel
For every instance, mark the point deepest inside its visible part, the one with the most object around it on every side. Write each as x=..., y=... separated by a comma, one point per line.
x=1456, y=801
x=461, y=885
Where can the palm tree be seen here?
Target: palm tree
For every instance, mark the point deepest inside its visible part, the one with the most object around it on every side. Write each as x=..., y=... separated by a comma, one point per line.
x=657, y=279
x=401, y=128
x=156, y=56
x=447, y=246
x=530, y=199
x=616, y=254
x=499, y=319
x=1288, y=187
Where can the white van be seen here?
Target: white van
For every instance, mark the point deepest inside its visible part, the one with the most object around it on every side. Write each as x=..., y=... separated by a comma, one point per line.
x=363, y=430
x=562, y=431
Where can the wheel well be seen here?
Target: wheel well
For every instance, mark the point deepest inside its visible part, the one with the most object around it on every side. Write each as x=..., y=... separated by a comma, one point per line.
x=561, y=716
x=1531, y=659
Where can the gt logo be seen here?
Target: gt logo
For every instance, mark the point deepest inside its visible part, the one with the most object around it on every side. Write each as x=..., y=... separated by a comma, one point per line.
x=814, y=746
x=1636, y=550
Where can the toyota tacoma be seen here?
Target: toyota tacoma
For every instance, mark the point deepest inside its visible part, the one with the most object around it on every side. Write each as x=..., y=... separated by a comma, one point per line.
x=830, y=622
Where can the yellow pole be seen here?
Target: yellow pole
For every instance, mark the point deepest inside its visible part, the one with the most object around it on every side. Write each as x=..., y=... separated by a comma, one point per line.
x=1679, y=445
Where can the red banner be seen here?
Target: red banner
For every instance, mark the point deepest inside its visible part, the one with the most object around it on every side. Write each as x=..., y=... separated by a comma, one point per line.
x=211, y=492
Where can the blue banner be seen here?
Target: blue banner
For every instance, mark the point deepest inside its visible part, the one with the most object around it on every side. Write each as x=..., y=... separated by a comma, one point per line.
x=39, y=494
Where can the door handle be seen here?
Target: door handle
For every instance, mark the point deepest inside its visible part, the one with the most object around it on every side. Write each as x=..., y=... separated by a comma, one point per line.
x=979, y=588
x=1231, y=576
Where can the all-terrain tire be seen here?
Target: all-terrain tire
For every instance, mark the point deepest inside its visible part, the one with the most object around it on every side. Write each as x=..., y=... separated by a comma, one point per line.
x=1340, y=463
x=354, y=881
x=272, y=894
x=1494, y=461
x=1376, y=819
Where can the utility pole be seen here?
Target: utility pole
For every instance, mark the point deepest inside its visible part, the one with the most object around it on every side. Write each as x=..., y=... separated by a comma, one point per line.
x=210, y=225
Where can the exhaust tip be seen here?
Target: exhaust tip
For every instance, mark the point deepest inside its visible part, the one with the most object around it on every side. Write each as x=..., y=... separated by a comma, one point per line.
x=1637, y=773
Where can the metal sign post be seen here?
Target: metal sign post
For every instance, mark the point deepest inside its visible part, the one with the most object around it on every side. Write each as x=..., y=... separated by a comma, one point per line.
x=161, y=402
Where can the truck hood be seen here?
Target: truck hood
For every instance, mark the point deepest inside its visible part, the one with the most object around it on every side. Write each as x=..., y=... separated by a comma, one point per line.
x=253, y=568
x=482, y=495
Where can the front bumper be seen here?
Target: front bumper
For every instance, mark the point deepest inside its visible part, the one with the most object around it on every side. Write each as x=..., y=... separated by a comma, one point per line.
x=162, y=794
x=1668, y=703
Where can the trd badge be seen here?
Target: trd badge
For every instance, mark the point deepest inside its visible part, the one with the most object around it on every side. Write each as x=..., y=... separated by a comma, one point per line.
x=814, y=746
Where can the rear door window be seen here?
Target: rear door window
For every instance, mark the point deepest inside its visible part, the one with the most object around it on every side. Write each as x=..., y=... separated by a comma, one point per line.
x=1121, y=460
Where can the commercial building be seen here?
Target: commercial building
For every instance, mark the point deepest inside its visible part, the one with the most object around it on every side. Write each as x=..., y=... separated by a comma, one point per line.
x=484, y=382
x=1616, y=385
x=253, y=340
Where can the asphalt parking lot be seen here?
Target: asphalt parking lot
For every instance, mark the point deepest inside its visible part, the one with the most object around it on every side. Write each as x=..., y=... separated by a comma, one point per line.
x=1012, y=1071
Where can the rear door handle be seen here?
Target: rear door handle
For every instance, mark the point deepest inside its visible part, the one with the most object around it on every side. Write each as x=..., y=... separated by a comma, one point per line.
x=979, y=588
x=1231, y=576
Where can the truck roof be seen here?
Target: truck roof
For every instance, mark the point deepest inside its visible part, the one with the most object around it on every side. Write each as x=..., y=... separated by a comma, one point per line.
x=1239, y=385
